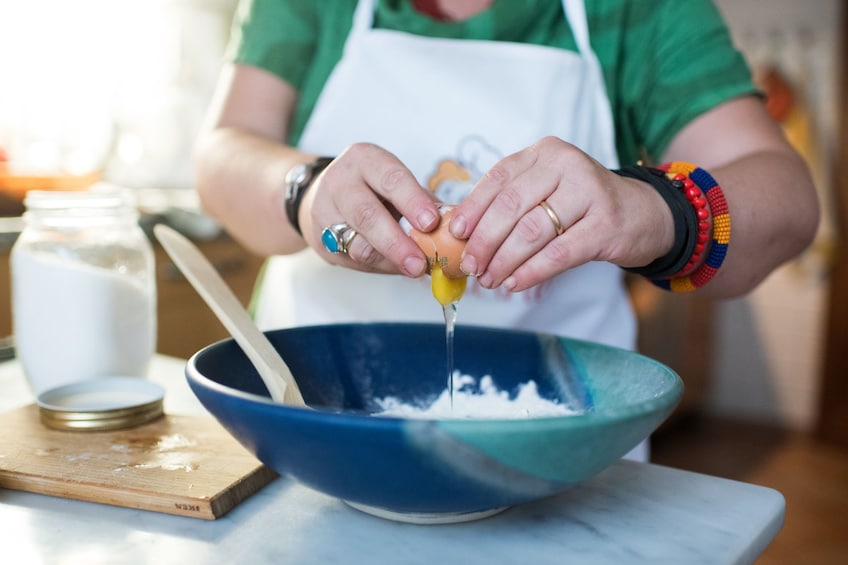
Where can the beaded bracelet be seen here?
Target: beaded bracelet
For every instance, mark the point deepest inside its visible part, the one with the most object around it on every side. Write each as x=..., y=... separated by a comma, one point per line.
x=698, y=201
x=688, y=280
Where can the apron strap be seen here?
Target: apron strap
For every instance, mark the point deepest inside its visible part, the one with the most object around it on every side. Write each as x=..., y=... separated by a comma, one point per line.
x=363, y=20
x=575, y=13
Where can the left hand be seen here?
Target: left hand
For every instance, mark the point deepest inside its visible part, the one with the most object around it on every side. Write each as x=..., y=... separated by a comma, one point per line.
x=512, y=241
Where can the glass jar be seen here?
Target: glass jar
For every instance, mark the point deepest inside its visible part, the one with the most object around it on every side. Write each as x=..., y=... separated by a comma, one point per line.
x=83, y=288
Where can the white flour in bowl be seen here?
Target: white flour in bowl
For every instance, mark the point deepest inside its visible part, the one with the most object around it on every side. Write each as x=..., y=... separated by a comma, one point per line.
x=480, y=402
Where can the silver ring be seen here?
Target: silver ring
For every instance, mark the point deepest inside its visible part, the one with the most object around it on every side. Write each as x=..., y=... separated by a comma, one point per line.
x=337, y=238
x=347, y=239
x=553, y=216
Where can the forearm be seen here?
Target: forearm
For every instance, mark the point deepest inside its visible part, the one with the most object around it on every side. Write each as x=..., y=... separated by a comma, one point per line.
x=770, y=196
x=774, y=215
x=240, y=183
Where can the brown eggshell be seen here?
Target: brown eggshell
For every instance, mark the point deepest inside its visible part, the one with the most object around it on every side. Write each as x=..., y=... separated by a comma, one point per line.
x=440, y=245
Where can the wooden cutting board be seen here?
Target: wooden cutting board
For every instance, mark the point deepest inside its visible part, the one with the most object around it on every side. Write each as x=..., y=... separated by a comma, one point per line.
x=184, y=465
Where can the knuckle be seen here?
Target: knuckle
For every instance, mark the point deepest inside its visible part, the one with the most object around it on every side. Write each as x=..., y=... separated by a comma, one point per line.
x=497, y=175
x=530, y=228
x=364, y=253
x=365, y=218
x=550, y=144
x=368, y=256
x=392, y=179
x=358, y=150
x=509, y=200
x=558, y=253
x=549, y=141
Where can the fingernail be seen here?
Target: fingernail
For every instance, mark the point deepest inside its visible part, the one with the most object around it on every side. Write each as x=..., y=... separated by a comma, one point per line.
x=414, y=266
x=468, y=265
x=427, y=219
x=486, y=280
x=457, y=226
x=510, y=283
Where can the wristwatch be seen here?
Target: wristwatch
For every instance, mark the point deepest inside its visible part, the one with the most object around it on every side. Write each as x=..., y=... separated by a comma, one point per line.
x=298, y=180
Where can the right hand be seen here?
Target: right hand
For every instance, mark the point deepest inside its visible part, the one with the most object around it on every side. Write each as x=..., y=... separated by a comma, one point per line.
x=370, y=189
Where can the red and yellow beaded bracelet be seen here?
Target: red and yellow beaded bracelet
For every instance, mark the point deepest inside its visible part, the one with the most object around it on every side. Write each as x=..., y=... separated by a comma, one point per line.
x=706, y=196
x=703, y=217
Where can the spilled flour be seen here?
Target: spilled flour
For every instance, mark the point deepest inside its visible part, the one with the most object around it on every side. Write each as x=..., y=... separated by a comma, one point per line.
x=480, y=402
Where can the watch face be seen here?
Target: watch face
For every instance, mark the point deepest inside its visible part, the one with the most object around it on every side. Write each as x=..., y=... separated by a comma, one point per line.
x=295, y=178
x=298, y=174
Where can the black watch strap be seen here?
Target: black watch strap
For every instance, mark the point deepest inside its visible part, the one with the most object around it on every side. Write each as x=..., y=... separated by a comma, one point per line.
x=683, y=214
x=297, y=182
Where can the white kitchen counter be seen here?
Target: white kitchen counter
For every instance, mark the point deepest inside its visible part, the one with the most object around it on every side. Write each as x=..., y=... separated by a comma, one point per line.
x=632, y=513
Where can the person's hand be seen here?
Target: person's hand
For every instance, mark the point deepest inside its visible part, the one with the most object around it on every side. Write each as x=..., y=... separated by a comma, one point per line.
x=513, y=240
x=369, y=189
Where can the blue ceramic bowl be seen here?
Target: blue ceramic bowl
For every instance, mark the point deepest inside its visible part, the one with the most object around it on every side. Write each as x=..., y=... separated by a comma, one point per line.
x=445, y=470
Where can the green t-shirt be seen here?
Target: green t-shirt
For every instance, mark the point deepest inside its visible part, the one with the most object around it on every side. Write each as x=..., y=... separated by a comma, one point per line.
x=664, y=61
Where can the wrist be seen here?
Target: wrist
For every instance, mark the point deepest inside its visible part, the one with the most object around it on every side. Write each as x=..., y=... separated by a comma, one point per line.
x=683, y=217
x=701, y=222
x=297, y=182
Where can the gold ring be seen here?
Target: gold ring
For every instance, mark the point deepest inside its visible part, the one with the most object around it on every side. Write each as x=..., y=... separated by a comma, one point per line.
x=553, y=216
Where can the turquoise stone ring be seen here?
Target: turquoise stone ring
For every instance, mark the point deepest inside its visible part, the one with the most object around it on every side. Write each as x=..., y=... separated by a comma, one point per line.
x=337, y=238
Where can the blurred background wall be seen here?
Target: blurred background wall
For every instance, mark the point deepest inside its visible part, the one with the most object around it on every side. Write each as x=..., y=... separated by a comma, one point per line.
x=120, y=85
x=769, y=345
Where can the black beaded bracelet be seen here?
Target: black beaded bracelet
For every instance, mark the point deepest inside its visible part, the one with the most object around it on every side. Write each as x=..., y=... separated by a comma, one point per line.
x=685, y=222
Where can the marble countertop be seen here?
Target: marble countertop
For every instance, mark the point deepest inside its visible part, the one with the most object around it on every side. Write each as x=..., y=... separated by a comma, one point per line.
x=630, y=513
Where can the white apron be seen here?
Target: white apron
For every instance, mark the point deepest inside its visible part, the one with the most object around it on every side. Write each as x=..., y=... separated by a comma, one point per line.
x=449, y=109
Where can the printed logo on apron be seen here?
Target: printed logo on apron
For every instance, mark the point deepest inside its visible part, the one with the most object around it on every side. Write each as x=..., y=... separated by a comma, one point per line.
x=454, y=177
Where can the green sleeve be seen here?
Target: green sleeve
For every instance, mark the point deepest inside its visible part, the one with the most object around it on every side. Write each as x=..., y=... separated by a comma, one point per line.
x=684, y=65
x=279, y=36
x=299, y=41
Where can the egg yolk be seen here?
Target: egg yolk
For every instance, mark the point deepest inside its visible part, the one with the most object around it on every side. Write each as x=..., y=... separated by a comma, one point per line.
x=446, y=290
x=444, y=253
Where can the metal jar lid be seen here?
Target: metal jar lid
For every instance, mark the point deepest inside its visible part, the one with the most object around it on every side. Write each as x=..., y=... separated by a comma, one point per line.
x=101, y=404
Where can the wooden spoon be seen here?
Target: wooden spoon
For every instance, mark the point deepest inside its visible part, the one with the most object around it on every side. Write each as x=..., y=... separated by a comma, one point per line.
x=218, y=296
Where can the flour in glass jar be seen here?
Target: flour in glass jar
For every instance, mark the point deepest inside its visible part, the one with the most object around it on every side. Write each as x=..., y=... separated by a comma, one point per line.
x=75, y=321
